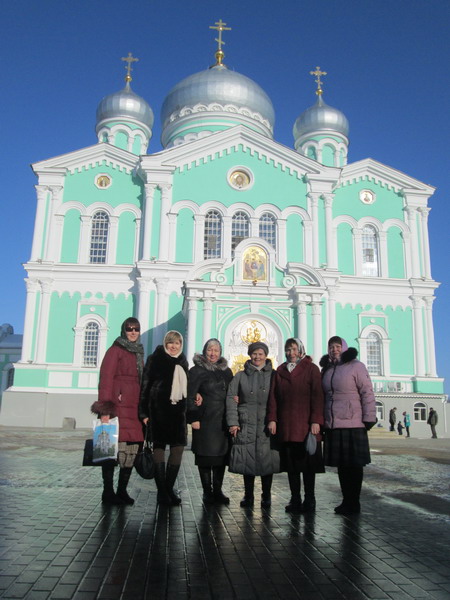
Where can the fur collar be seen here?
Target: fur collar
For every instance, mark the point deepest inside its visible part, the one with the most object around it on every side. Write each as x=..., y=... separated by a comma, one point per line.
x=202, y=362
x=346, y=357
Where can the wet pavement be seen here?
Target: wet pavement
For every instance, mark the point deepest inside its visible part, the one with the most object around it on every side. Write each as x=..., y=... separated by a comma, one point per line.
x=57, y=540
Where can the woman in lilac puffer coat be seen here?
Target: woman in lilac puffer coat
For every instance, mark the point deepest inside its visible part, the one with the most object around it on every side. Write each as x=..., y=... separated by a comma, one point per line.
x=349, y=414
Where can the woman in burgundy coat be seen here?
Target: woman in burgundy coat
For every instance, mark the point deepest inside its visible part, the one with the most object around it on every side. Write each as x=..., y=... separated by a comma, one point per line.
x=118, y=396
x=295, y=408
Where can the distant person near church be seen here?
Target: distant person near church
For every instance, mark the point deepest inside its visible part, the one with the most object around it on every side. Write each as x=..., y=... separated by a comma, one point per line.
x=349, y=413
x=407, y=422
x=400, y=428
x=163, y=407
x=392, y=419
x=432, y=422
x=118, y=396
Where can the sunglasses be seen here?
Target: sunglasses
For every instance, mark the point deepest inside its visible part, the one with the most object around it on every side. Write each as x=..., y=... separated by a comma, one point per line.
x=130, y=329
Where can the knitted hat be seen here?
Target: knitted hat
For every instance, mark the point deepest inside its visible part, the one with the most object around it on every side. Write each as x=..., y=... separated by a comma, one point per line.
x=258, y=346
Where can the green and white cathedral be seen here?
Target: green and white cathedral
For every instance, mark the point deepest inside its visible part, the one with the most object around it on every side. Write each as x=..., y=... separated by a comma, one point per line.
x=224, y=233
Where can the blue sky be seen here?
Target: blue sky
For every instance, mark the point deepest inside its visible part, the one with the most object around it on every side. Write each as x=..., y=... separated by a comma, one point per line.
x=387, y=65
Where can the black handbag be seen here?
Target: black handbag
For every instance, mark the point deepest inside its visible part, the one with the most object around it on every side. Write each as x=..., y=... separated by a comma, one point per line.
x=143, y=463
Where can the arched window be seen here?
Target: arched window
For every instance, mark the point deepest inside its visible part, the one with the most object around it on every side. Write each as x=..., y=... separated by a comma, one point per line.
x=90, y=344
x=240, y=227
x=420, y=411
x=213, y=235
x=99, y=237
x=370, y=257
x=379, y=410
x=374, y=354
x=268, y=229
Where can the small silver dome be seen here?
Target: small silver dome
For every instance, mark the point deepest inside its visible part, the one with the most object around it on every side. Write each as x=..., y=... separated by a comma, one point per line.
x=321, y=117
x=220, y=86
x=125, y=104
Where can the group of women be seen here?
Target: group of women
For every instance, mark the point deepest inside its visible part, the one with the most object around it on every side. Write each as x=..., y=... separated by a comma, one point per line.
x=257, y=423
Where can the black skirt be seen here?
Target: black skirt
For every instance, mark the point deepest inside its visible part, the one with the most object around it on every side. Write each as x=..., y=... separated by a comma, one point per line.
x=346, y=447
x=295, y=459
x=211, y=461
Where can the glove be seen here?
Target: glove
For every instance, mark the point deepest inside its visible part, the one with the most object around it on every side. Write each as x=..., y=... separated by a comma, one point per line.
x=369, y=425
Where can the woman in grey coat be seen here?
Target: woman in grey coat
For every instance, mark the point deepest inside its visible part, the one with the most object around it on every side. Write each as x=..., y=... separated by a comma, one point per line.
x=252, y=452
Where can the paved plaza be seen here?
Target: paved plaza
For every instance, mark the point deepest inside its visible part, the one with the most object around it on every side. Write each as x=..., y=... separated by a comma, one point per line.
x=59, y=542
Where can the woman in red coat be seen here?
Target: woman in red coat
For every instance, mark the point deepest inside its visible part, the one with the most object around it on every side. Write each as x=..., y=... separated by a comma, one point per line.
x=118, y=396
x=295, y=408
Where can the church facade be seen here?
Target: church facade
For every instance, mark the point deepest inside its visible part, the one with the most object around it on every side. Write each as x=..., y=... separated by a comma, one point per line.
x=224, y=233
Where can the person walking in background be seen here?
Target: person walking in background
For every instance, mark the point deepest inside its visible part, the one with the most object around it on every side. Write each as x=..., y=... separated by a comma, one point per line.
x=407, y=422
x=162, y=406
x=252, y=452
x=118, y=396
x=392, y=419
x=349, y=414
x=295, y=409
x=432, y=422
x=207, y=394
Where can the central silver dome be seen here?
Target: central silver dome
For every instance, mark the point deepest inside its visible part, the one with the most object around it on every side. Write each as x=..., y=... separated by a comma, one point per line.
x=218, y=92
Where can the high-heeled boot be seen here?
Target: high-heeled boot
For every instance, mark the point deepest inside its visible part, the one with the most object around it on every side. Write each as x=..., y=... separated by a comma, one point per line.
x=249, y=486
x=124, y=478
x=205, y=478
x=108, y=495
x=309, y=503
x=218, y=475
x=295, y=502
x=171, y=475
x=160, y=480
x=266, y=496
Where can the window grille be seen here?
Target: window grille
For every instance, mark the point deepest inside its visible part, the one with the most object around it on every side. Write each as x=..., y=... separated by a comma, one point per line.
x=370, y=254
x=99, y=237
x=374, y=354
x=268, y=229
x=213, y=235
x=420, y=412
x=90, y=345
x=240, y=227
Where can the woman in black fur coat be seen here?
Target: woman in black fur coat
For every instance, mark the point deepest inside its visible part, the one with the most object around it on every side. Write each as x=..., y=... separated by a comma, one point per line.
x=162, y=407
x=207, y=393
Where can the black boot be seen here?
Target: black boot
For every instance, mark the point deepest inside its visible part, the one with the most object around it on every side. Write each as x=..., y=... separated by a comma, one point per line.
x=295, y=502
x=124, y=478
x=171, y=475
x=160, y=480
x=218, y=475
x=309, y=503
x=266, y=484
x=205, y=478
x=249, y=485
x=350, y=479
x=108, y=496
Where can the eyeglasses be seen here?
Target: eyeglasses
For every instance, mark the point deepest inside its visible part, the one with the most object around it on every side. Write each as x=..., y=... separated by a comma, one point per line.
x=130, y=329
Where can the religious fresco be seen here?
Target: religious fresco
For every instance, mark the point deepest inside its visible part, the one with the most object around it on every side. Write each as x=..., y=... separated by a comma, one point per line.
x=254, y=264
x=247, y=333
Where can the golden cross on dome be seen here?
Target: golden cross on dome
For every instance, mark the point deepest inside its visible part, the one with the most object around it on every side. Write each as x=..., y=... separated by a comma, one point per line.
x=220, y=26
x=129, y=59
x=318, y=74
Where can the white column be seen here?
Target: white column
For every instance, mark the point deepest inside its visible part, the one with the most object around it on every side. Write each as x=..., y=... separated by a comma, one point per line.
x=384, y=266
x=161, y=310
x=207, y=318
x=431, y=350
x=55, y=254
x=39, y=222
x=424, y=211
x=331, y=256
x=357, y=249
x=42, y=328
x=143, y=309
x=28, y=326
x=166, y=196
x=302, y=323
x=85, y=231
x=313, y=210
x=281, y=243
x=191, y=327
x=406, y=236
x=172, y=240
x=317, y=329
x=111, y=256
x=254, y=227
x=51, y=250
x=148, y=214
x=199, y=237
x=419, y=346
x=137, y=235
x=331, y=313
x=308, y=242
x=414, y=246
x=226, y=239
